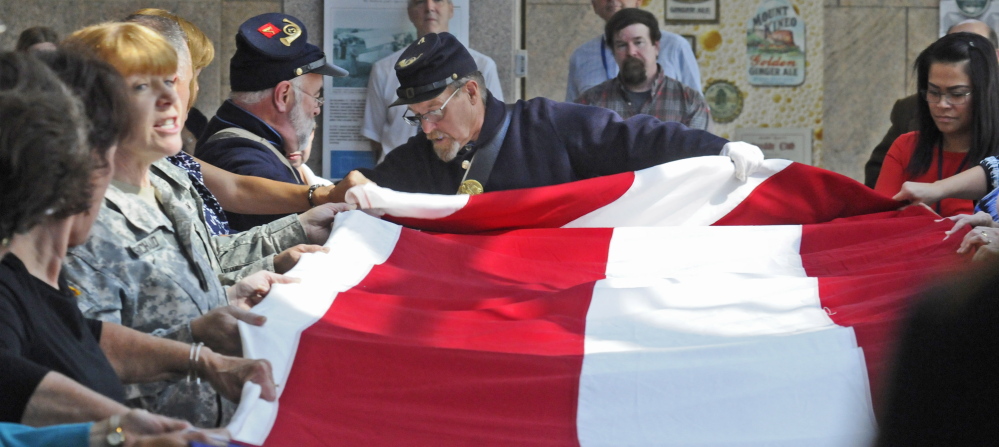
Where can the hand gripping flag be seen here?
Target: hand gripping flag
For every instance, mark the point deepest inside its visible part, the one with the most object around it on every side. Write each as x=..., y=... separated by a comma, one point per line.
x=670, y=306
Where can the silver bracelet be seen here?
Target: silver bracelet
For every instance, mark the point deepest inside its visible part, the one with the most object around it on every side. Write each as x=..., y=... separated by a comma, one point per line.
x=192, y=365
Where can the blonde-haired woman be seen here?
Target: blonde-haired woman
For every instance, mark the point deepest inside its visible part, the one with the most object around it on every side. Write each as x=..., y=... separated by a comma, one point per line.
x=151, y=263
x=199, y=46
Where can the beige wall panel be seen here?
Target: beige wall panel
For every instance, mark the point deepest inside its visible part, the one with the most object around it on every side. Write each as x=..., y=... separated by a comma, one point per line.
x=922, y=28
x=862, y=81
x=491, y=32
x=553, y=32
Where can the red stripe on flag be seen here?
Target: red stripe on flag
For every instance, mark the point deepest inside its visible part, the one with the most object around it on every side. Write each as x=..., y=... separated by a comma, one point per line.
x=545, y=207
x=868, y=270
x=802, y=194
x=403, y=359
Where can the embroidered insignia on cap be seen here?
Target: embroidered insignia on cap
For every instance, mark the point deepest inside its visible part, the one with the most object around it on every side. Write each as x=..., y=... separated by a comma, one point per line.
x=268, y=30
x=292, y=30
x=407, y=62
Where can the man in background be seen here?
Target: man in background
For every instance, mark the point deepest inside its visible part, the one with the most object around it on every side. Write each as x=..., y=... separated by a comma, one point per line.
x=385, y=127
x=593, y=62
x=641, y=86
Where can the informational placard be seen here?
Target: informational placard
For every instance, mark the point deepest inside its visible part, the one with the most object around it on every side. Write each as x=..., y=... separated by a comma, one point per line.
x=691, y=11
x=793, y=144
x=359, y=33
x=775, y=45
x=953, y=12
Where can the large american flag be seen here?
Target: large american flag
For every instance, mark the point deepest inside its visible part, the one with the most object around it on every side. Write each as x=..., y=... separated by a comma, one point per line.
x=670, y=306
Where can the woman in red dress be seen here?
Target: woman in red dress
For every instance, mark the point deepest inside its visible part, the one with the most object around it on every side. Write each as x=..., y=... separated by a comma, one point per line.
x=957, y=78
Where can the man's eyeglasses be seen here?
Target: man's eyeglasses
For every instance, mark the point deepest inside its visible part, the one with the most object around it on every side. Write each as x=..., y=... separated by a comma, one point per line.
x=319, y=99
x=432, y=116
x=954, y=99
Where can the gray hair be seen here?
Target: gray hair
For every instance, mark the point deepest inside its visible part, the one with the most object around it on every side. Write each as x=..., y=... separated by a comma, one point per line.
x=252, y=98
x=170, y=30
x=473, y=76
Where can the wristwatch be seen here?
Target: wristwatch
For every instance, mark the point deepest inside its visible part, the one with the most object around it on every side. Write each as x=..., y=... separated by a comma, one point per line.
x=116, y=435
x=312, y=190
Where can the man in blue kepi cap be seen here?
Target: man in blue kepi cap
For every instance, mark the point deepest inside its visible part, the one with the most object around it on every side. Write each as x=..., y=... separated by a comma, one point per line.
x=471, y=142
x=264, y=129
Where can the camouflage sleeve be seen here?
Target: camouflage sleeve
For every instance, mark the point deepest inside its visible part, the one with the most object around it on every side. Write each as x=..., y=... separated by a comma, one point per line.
x=104, y=296
x=253, y=250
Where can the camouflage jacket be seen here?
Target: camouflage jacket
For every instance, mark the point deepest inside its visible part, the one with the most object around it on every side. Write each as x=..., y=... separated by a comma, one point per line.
x=155, y=270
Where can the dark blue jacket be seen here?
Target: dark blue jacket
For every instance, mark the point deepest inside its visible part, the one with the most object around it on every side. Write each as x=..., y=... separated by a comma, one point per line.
x=548, y=143
x=243, y=156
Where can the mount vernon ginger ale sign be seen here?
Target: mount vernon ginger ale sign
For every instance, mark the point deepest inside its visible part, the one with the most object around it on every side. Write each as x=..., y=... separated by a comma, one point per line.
x=775, y=45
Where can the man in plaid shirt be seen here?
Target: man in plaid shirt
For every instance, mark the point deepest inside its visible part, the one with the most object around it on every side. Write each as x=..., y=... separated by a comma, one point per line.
x=641, y=86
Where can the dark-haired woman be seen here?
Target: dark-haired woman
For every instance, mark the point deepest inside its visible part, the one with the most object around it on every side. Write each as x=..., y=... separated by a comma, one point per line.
x=957, y=78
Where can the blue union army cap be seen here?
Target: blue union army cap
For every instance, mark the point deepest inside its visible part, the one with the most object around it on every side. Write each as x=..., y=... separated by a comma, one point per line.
x=274, y=47
x=429, y=65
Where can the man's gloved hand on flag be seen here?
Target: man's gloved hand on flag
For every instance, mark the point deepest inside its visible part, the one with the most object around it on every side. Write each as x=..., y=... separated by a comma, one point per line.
x=747, y=158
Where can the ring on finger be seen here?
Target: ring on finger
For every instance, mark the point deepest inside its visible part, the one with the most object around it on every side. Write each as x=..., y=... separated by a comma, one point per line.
x=985, y=237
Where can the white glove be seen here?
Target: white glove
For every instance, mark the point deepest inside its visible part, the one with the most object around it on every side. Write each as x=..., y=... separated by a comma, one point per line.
x=747, y=158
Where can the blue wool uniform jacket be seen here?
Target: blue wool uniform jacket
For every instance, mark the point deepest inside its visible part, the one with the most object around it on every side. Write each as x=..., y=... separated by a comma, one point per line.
x=548, y=143
x=243, y=156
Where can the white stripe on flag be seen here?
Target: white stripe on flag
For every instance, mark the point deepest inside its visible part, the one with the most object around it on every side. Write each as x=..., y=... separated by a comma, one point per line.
x=693, y=191
x=673, y=251
x=358, y=243
x=689, y=342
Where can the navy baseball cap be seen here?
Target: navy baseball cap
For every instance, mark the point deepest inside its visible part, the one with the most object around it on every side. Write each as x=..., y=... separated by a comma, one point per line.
x=274, y=47
x=429, y=65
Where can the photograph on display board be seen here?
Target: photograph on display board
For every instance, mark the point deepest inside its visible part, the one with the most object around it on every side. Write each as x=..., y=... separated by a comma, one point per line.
x=357, y=49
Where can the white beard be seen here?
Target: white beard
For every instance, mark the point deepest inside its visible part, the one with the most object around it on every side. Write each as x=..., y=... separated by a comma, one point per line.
x=445, y=151
x=302, y=123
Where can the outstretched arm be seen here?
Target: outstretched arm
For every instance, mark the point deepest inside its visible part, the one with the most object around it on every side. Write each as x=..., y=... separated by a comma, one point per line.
x=246, y=194
x=970, y=184
x=60, y=400
x=138, y=358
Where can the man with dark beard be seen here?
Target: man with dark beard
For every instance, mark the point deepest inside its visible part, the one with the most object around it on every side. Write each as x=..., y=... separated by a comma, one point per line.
x=471, y=142
x=263, y=129
x=641, y=86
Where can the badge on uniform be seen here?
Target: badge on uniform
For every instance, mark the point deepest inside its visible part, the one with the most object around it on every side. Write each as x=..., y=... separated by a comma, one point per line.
x=471, y=187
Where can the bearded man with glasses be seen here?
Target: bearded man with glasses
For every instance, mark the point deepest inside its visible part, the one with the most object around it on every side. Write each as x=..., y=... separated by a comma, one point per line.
x=471, y=142
x=265, y=127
